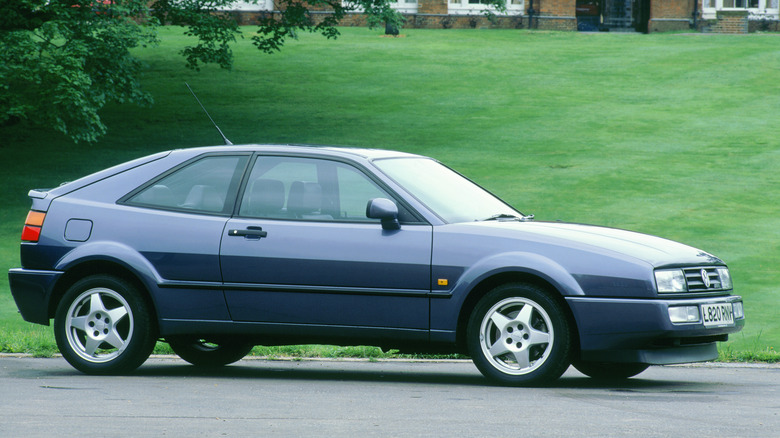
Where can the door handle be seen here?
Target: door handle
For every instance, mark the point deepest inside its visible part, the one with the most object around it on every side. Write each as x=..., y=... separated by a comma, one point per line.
x=256, y=232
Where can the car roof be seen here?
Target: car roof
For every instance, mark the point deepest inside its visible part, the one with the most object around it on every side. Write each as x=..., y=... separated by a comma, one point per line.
x=344, y=151
x=331, y=151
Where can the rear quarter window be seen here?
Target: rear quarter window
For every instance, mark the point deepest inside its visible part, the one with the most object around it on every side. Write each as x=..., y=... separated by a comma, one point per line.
x=206, y=185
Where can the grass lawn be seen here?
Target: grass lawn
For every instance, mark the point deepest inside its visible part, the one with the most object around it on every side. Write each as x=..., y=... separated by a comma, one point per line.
x=669, y=134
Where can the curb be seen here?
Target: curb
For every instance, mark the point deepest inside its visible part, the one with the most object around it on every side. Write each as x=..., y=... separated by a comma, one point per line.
x=753, y=365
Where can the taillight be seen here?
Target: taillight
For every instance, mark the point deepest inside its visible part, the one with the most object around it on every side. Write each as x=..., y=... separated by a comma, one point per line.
x=32, y=226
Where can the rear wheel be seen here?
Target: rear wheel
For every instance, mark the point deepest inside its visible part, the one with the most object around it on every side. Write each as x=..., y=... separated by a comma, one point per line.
x=207, y=353
x=103, y=326
x=519, y=335
x=609, y=370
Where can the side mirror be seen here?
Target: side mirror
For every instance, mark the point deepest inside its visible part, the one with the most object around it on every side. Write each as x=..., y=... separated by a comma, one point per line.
x=385, y=210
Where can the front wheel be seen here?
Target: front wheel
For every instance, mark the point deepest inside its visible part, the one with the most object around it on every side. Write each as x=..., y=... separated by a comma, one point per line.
x=103, y=326
x=519, y=335
x=206, y=353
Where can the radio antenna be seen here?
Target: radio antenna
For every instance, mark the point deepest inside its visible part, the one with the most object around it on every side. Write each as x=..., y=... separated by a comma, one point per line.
x=227, y=142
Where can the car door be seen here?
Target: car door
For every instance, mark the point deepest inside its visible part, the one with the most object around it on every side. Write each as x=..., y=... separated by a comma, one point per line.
x=301, y=251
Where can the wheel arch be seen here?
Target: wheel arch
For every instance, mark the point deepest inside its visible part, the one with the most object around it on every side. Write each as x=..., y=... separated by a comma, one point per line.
x=87, y=268
x=489, y=283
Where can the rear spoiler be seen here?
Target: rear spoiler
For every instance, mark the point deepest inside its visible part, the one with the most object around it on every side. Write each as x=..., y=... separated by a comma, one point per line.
x=38, y=193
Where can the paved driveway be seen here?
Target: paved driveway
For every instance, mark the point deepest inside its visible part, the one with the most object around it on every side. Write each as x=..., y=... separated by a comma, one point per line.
x=166, y=397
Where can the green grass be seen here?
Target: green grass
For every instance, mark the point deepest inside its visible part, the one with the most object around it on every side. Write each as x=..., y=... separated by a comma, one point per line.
x=669, y=134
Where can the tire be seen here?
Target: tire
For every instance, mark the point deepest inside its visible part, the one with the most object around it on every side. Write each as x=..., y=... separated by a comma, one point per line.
x=103, y=326
x=609, y=370
x=518, y=335
x=206, y=353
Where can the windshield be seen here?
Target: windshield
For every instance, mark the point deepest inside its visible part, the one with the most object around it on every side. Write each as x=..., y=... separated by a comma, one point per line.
x=445, y=192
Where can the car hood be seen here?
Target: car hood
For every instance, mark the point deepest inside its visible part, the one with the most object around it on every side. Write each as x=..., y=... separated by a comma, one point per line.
x=657, y=251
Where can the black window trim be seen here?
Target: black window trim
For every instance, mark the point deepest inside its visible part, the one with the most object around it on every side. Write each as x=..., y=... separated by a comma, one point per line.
x=399, y=200
x=230, y=201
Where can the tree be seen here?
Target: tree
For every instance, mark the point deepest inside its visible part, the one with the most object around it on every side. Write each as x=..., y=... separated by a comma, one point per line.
x=61, y=61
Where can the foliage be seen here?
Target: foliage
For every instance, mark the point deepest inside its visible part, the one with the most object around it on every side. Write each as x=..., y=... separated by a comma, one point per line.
x=391, y=19
x=214, y=32
x=755, y=350
x=61, y=61
x=767, y=354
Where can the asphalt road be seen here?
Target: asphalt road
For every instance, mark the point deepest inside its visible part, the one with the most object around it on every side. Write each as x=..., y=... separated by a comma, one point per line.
x=166, y=397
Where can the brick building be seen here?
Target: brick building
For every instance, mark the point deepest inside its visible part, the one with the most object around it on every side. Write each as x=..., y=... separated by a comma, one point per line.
x=724, y=16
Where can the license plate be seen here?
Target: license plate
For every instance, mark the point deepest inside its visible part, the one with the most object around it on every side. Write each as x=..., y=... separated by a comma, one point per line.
x=717, y=314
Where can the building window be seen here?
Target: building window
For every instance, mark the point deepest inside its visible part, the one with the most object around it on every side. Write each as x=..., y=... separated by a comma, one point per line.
x=402, y=6
x=405, y=6
x=260, y=5
x=757, y=9
x=479, y=6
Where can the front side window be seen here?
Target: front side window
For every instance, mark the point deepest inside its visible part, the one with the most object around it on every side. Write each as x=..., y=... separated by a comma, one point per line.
x=308, y=189
x=204, y=185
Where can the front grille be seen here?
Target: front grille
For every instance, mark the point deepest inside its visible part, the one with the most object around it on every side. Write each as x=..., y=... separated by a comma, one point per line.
x=703, y=279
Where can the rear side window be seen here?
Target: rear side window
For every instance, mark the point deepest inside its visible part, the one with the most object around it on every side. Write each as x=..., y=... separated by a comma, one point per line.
x=207, y=185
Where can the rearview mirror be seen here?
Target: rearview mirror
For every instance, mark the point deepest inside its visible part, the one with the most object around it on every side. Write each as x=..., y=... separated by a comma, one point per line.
x=385, y=210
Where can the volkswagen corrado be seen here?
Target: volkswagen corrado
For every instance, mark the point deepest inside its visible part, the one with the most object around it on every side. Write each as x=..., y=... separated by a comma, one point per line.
x=217, y=249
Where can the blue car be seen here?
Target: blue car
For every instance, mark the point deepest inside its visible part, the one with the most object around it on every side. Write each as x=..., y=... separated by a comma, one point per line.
x=217, y=249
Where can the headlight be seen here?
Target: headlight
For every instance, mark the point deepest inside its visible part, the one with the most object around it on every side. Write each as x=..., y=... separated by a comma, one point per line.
x=725, y=278
x=670, y=281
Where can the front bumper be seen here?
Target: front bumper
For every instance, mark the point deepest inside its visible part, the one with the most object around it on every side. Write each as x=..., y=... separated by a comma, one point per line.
x=32, y=291
x=640, y=330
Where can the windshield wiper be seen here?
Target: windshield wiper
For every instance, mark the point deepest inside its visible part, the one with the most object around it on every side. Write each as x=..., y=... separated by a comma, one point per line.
x=505, y=216
x=510, y=217
x=500, y=216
